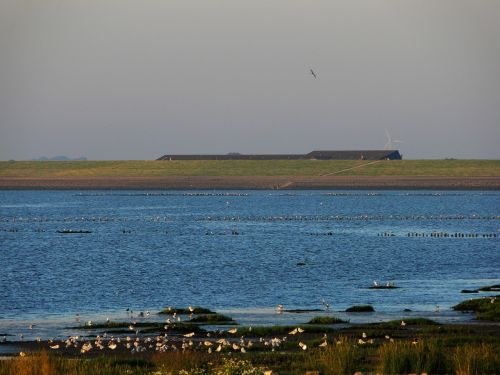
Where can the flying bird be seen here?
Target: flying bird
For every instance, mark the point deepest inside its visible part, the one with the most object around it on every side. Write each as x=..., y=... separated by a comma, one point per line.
x=313, y=74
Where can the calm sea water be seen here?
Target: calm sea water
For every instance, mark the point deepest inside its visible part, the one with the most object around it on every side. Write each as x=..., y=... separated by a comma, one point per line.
x=237, y=251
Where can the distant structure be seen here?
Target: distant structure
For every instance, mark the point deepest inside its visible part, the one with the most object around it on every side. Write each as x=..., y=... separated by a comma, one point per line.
x=314, y=155
x=60, y=158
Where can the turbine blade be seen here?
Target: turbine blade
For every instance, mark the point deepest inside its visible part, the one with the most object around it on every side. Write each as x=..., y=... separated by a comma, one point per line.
x=387, y=135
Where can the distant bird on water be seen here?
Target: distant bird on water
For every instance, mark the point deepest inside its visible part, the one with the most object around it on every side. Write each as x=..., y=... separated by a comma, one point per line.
x=313, y=74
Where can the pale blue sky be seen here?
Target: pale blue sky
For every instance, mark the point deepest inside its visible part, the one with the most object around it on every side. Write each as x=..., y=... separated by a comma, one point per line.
x=122, y=79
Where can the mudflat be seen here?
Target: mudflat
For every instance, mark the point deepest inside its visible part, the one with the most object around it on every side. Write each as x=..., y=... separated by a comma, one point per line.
x=252, y=182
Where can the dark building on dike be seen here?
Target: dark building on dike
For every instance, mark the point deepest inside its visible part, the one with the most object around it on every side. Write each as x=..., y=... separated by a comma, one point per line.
x=314, y=155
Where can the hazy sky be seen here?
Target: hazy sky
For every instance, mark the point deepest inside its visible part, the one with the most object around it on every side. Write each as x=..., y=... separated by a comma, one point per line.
x=123, y=79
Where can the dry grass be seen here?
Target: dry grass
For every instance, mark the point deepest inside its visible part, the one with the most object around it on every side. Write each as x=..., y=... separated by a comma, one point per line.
x=345, y=356
x=341, y=358
x=476, y=359
x=43, y=363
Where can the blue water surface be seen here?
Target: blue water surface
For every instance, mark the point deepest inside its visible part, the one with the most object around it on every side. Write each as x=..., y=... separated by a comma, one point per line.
x=239, y=250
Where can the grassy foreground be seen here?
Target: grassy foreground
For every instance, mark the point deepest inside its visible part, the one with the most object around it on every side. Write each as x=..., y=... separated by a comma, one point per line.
x=344, y=356
x=153, y=168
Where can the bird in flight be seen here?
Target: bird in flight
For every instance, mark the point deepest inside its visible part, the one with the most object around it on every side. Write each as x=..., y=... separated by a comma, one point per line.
x=313, y=74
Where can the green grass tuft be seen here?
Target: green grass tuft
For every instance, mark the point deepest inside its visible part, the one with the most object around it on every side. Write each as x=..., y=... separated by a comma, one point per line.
x=487, y=308
x=326, y=320
x=395, y=324
x=211, y=318
x=186, y=311
x=403, y=357
x=360, y=308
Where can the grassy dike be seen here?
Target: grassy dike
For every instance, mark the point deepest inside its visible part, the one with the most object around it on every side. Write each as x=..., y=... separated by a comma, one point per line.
x=153, y=168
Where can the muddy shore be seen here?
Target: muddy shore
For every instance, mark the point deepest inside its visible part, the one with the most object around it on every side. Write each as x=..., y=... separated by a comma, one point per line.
x=252, y=182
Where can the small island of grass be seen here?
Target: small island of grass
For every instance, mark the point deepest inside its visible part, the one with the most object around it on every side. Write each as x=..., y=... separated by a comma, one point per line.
x=486, y=308
x=395, y=324
x=326, y=320
x=212, y=319
x=186, y=311
x=360, y=309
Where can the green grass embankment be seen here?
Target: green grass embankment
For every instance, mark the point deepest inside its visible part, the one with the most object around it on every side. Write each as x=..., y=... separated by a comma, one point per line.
x=153, y=168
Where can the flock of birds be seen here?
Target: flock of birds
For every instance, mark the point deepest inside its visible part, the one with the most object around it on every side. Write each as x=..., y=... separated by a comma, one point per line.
x=191, y=340
x=235, y=232
x=187, y=341
x=164, y=342
x=156, y=218
x=350, y=218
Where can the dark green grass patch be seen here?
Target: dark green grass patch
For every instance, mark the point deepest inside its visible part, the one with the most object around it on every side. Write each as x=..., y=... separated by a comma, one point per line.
x=143, y=327
x=487, y=308
x=175, y=327
x=326, y=320
x=490, y=288
x=395, y=324
x=115, y=325
x=186, y=311
x=277, y=330
x=212, y=319
x=360, y=308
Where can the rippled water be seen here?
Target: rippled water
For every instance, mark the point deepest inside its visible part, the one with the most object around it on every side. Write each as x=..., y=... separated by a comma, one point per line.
x=238, y=251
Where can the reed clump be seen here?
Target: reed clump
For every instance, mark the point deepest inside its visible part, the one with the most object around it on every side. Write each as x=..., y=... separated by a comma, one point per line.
x=403, y=357
x=342, y=357
x=476, y=359
x=44, y=363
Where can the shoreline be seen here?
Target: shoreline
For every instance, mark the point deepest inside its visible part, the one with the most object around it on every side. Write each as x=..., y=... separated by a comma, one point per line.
x=251, y=183
x=366, y=339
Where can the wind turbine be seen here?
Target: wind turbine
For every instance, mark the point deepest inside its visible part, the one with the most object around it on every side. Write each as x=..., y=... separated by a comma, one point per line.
x=390, y=143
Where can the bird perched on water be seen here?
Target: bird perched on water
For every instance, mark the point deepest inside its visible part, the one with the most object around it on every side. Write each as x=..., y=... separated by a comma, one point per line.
x=312, y=73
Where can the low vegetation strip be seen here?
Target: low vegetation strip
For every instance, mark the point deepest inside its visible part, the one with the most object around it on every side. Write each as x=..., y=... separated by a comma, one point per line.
x=211, y=319
x=154, y=168
x=342, y=357
x=326, y=320
x=360, y=309
x=486, y=308
x=187, y=310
